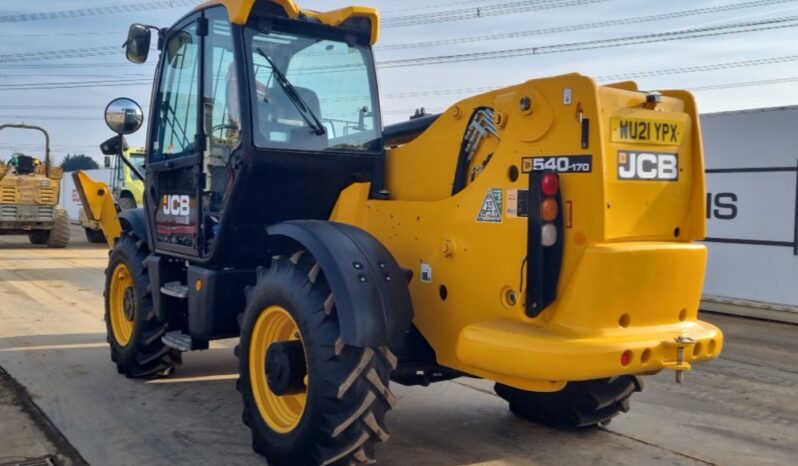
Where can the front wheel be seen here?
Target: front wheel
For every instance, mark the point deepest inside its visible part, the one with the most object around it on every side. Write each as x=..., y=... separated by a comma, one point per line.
x=309, y=399
x=133, y=330
x=38, y=237
x=578, y=405
x=94, y=236
x=59, y=236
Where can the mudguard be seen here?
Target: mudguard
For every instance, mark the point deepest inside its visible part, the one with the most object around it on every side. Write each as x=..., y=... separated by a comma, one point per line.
x=135, y=220
x=370, y=289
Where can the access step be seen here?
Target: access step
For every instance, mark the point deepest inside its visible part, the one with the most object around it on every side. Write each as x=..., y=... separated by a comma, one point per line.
x=182, y=342
x=175, y=290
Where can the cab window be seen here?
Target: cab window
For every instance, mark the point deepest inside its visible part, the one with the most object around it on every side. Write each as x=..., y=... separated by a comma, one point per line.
x=177, y=99
x=312, y=93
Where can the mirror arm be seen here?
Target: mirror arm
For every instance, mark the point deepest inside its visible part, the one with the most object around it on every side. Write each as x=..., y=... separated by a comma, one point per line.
x=162, y=38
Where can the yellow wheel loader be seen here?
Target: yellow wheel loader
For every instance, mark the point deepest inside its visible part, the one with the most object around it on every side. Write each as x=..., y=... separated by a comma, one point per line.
x=29, y=197
x=541, y=236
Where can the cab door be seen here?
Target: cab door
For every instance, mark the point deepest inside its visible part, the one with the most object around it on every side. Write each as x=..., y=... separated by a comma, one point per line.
x=175, y=143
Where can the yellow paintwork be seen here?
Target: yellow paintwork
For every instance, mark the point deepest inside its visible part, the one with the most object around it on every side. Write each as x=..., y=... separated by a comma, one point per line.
x=30, y=189
x=121, y=326
x=281, y=413
x=631, y=275
x=627, y=282
x=240, y=10
x=100, y=206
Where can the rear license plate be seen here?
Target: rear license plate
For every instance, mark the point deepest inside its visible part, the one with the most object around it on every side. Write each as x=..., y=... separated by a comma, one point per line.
x=640, y=130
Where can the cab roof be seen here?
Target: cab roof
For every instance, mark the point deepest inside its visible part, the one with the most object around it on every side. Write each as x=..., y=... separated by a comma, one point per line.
x=239, y=12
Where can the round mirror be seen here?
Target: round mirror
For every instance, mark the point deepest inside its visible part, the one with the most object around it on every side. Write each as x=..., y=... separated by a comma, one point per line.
x=124, y=116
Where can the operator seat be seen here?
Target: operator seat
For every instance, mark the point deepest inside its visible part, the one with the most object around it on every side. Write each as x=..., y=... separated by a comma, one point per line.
x=281, y=109
x=25, y=165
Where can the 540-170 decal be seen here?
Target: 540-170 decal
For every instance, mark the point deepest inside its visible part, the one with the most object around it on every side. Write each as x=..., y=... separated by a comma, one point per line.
x=559, y=164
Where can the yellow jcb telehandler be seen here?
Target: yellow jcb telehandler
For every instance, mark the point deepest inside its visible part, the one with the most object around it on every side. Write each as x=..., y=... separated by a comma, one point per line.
x=541, y=236
x=29, y=197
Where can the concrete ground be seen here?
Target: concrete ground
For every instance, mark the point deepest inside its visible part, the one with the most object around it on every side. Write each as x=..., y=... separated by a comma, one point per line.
x=739, y=410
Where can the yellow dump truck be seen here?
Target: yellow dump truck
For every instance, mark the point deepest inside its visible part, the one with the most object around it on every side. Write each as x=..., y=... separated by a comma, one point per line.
x=29, y=197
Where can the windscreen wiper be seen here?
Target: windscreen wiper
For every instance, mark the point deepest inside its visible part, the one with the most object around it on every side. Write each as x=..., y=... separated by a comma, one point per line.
x=304, y=109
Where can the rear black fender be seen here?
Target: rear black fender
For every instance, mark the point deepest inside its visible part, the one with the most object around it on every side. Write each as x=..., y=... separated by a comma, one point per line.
x=371, y=293
x=135, y=220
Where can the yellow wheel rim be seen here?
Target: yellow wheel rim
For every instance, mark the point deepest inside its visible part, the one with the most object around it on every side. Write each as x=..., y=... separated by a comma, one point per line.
x=281, y=413
x=122, y=305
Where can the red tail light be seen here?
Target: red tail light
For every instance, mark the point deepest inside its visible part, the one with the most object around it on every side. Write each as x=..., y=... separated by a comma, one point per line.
x=550, y=184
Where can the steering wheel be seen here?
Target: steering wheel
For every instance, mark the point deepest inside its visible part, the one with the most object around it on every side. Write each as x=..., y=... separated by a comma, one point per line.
x=223, y=127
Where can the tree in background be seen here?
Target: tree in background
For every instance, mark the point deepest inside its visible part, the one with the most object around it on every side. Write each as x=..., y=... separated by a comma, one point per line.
x=75, y=162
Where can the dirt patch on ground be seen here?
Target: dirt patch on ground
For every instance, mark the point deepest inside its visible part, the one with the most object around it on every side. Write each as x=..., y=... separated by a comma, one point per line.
x=26, y=435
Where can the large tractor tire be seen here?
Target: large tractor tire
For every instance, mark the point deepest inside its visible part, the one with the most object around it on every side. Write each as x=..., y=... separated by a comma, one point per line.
x=59, y=235
x=126, y=203
x=578, y=405
x=39, y=237
x=94, y=236
x=309, y=399
x=133, y=331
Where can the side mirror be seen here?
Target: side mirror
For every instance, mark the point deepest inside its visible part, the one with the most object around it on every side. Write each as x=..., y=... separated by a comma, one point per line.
x=111, y=147
x=138, y=43
x=124, y=116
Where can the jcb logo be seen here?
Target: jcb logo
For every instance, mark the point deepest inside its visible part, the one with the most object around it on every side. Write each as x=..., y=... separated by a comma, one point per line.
x=648, y=166
x=176, y=204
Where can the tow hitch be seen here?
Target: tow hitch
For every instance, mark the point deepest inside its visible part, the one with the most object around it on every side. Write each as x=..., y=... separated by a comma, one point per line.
x=680, y=365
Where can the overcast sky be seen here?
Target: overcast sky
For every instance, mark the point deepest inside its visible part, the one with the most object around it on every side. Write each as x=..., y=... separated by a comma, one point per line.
x=67, y=95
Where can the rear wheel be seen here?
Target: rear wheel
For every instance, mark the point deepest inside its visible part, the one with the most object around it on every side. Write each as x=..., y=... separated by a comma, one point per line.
x=38, y=237
x=59, y=235
x=133, y=330
x=579, y=404
x=94, y=236
x=309, y=399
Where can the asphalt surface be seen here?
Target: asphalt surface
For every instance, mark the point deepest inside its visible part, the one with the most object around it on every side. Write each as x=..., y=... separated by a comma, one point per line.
x=739, y=410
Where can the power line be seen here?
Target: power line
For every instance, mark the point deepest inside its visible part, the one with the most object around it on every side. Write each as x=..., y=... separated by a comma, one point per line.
x=762, y=82
x=481, y=12
x=694, y=33
x=585, y=26
x=59, y=54
x=63, y=34
x=50, y=117
x=606, y=78
x=431, y=7
x=62, y=75
x=96, y=11
x=700, y=68
x=615, y=77
x=451, y=15
x=74, y=84
x=46, y=66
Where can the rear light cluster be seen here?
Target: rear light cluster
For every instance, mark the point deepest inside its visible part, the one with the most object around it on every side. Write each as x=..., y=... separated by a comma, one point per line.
x=545, y=241
x=549, y=208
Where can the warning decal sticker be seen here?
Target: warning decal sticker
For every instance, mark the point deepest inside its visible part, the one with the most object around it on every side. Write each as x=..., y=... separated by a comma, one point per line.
x=491, y=210
x=517, y=203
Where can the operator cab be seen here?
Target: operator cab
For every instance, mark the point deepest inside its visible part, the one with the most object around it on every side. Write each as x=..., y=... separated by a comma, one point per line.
x=255, y=122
